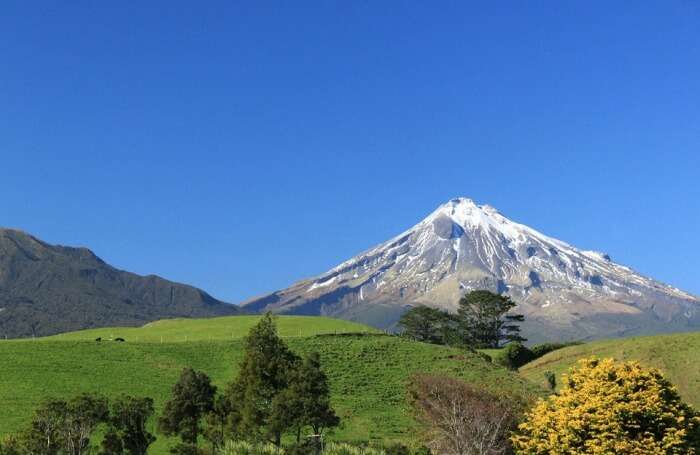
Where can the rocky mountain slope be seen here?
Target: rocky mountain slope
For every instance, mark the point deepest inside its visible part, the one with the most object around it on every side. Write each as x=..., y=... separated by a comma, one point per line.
x=46, y=289
x=565, y=293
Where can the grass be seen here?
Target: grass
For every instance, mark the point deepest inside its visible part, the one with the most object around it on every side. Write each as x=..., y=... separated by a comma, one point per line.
x=676, y=355
x=212, y=329
x=368, y=373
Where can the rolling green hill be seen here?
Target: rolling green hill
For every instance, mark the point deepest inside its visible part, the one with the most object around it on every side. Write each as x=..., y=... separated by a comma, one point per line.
x=212, y=329
x=367, y=373
x=677, y=355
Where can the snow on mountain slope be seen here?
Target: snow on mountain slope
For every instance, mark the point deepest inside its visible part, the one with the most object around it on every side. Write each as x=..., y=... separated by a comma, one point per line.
x=565, y=293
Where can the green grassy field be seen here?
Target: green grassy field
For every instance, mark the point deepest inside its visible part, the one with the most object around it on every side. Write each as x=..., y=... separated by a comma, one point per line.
x=212, y=329
x=677, y=356
x=368, y=373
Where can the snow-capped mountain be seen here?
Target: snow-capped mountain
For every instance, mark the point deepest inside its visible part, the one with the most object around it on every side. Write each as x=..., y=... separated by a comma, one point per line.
x=565, y=293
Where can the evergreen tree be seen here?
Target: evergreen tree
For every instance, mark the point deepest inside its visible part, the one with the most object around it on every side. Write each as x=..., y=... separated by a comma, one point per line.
x=264, y=373
x=306, y=401
x=483, y=322
x=192, y=399
x=218, y=421
x=127, y=432
x=428, y=325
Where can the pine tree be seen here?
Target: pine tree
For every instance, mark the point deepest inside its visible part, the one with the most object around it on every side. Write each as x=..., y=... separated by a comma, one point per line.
x=306, y=400
x=264, y=373
x=429, y=325
x=192, y=398
x=483, y=320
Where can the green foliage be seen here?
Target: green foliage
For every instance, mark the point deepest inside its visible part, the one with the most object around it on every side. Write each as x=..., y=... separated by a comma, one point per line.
x=246, y=448
x=397, y=449
x=347, y=449
x=545, y=348
x=64, y=427
x=484, y=322
x=265, y=372
x=515, y=355
x=366, y=375
x=551, y=380
x=428, y=325
x=306, y=400
x=192, y=398
x=127, y=431
x=184, y=448
x=10, y=446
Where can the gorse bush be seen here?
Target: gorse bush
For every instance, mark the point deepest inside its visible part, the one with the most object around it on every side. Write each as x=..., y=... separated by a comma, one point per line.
x=611, y=408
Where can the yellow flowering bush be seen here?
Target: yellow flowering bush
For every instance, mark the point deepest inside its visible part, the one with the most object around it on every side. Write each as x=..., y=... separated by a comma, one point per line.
x=611, y=408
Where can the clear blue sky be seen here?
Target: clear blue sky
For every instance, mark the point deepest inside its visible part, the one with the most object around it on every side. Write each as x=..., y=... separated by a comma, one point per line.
x=241, y=146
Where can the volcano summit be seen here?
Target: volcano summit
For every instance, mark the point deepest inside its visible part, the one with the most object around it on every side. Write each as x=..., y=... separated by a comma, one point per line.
x=564, y=292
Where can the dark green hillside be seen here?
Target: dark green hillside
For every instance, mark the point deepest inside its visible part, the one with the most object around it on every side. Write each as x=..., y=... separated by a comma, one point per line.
x=47, y=289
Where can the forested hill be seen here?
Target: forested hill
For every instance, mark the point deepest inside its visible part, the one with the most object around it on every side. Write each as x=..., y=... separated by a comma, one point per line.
x=47, y=289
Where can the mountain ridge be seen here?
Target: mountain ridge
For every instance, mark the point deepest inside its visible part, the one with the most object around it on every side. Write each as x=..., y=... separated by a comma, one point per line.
x=565, y=292
x=47, y=289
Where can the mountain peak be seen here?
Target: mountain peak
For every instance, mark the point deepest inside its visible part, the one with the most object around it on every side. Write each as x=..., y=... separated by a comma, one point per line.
x=563, y=291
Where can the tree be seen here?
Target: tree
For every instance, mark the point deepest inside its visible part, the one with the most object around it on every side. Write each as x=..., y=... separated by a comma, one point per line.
x=515, y=355
x=264, y=373
x=606, y=407
x=483, y=320
x=461, y=420
x=218, y=421
x=192, y=398
x=66, y=427
x=11, y=445
x=45, y=433
x=428, y=325
x=84, y=413
x=127, y=432
x=306, y=400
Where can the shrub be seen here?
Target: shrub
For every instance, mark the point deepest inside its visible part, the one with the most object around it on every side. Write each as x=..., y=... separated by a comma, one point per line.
x=397, y=449
x=246, y=448
x=461, y=419
x=545, y=348
x=10, y=446
x=515, y=355
x=551, y=380
x=346, y=449
x=607, y=407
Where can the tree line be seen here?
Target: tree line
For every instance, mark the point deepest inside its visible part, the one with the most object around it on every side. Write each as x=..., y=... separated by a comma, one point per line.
x=483, y=320
x=67, y=427
x=276, y=393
